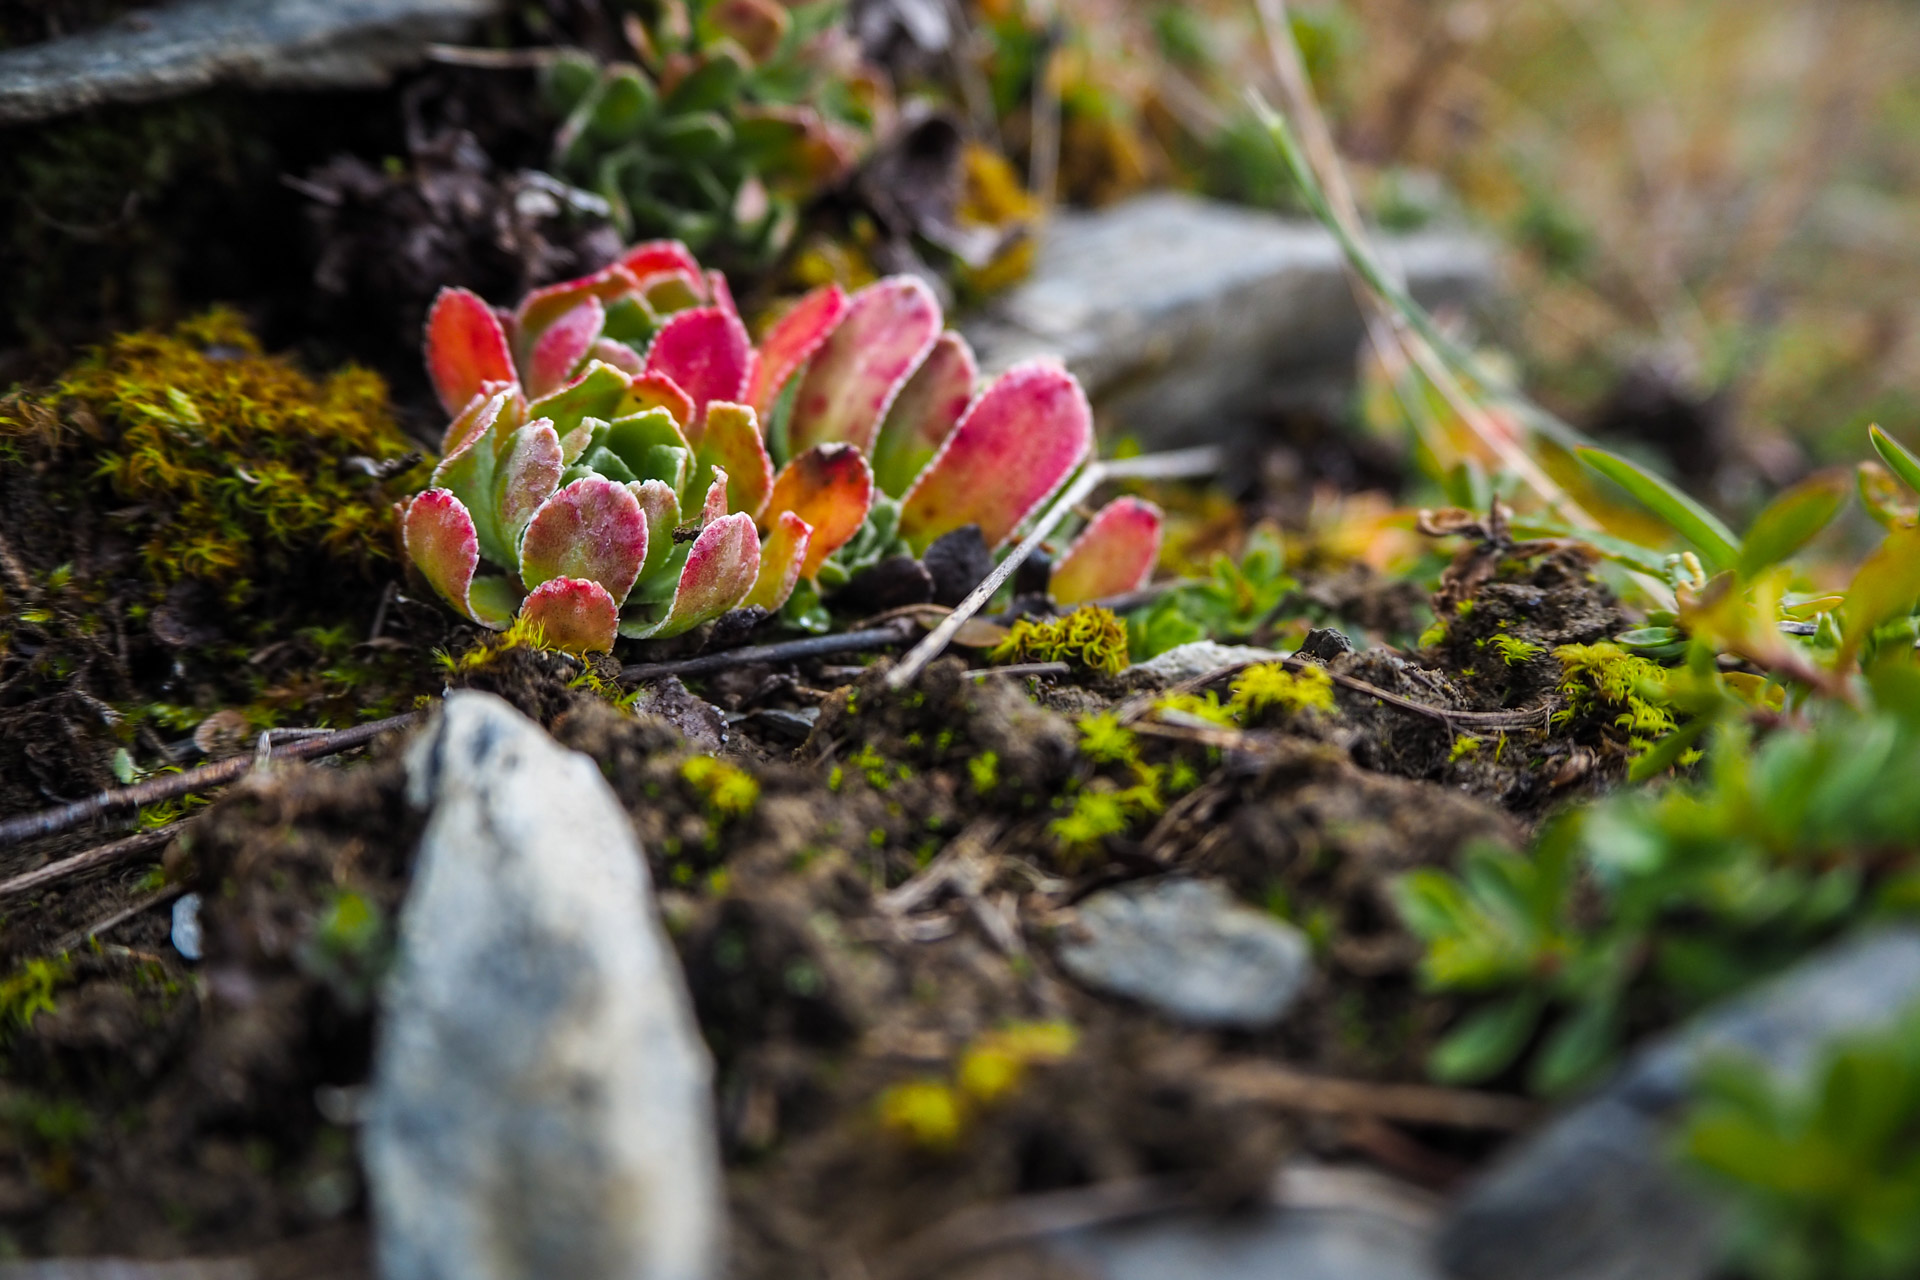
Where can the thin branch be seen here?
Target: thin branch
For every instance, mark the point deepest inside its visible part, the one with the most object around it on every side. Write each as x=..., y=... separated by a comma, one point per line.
x=1177, y=464
x=174, y=785
x=103, y=856
x=1405, y=1103
x=783, y=651
x=118, y=918
x=1022, y=669
x=458, y=55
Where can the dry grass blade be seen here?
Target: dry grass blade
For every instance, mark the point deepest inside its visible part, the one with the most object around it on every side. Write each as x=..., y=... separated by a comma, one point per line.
x=1269, y=1083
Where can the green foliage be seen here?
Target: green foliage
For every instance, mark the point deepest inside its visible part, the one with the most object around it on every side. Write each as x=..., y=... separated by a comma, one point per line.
x=236, y=463
x=1659, y=901
x=347, y=949
x=1823, y=1174
x=1702, y=530
x=29, y=990
x=727, y=791
x=1272, y=685
x=1513, y=651
x=1090, y=637
x=1232, y=601
x=735, y=121
x=984, y=771
x=1104, y=740
x=1604, y=679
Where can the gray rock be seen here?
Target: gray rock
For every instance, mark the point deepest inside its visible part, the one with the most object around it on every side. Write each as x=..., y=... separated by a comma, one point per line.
x=1592, y=1195
x=1183, y=317
x=1190, y=950
x=1327, y=1224
x=1184, y=662
x=540, y=1102
x=185, y=933
x=263, y=44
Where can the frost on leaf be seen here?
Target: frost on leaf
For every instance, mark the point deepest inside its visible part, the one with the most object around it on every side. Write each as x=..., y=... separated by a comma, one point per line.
x=466, y=348
x=526, y=476
x=592, y=529
x=887, y=331
x=782, y=556
x=1113, y=555
x=831, y=488
x=721, y=568
x=574, y=614
x=1017, y=443
x=439, y=536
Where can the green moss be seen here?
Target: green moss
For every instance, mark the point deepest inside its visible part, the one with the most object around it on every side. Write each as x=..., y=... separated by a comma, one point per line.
x=28, y=991
x=1090, y=637
x=1604, y=679
x=727, y=792
x=1272, y=685
x=1104, y=740
x=1513, y=650
x=984, y=769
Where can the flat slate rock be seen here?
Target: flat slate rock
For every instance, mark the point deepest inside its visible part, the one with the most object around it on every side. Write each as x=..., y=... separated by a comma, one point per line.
x=1183, y=317
x=1190, y=950
x=262, y=44
x=541, y=1102
x=1592, y=1195
x=1188, y=661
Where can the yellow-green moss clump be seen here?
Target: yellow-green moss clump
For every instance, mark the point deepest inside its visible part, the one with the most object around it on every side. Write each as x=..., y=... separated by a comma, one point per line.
x=233, y=463
x=1604, y=678
x=1089, y=637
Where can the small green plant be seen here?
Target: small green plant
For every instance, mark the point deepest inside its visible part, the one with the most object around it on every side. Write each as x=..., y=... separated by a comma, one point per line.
x=29, y=990
x=1090, y=637
x=348, y=948
x=1271, y=685
x=1602, y=679
x=1513, y=651
x=984, y=771
x=932, y=1113
x=1104, y=740
x=727, y=791
x=1233, y=600
x=1822, y=1174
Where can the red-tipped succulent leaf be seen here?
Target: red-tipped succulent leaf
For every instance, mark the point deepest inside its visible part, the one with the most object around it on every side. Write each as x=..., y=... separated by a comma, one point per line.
x=707, y=353
x=732, y=444
x=782, y=556
x=526, y=476
x=438, y=533
x=574, y=614
x=831, y=488
x=792, y=341
x=1114, y=554
x=466, y=348
x=563, y=346
x=592, y=529
x=656, y=391
x=1017, y=443
x=924, y=414
x=887, y=331
x=721, y=568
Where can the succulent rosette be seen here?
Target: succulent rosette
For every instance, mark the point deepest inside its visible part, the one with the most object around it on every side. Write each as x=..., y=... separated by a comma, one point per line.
x=615, y=438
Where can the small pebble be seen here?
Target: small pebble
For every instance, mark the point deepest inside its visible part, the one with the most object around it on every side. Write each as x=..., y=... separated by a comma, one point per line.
x=186, y=926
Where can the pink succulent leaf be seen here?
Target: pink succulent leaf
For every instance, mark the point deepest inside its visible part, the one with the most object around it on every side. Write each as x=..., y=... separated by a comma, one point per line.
x=716, y=504
x=573, y=614
x=469, y=472
x=732, y=442
x=1016, y=444
x=651, y=257
x=1114, y=554
x=596, y=393
x=564, y=344
x=782, y=556
x=438, y=533
x=707, y=353
x=618, y=354
x=830, y=487
x=526, y=476
x=722, y=566
x=466, y=347
x=657, y=391
x=661, y=508
x=591, y=529
x=924, y=414
x=472, y=422
x=791, y=341
x=540, y=309
x=887, y=331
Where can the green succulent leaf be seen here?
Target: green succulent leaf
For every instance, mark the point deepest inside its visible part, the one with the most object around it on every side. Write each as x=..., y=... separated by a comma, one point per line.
x=1705, y=531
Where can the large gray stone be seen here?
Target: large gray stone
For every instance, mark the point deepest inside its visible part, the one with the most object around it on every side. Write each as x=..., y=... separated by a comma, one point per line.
x=541, y=1100
x=263, y=44
x=1593, y=1195
x=1189, y=949
x=1184, y=317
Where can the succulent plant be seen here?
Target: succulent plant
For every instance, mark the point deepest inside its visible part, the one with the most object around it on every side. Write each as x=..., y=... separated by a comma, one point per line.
x=609, y=451
x=735, y=113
